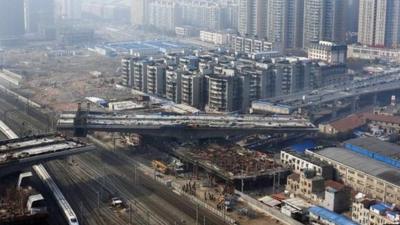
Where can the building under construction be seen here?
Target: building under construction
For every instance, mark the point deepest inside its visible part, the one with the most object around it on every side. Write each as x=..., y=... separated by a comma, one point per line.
x=233, y=164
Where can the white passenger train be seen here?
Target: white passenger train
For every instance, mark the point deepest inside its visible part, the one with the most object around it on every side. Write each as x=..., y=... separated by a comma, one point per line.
x=44, y=149
x=68, y=212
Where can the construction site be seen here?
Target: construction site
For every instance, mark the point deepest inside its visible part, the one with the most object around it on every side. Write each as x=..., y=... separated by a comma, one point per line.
x=209, y=182
x=231, y=162
x=21, y=203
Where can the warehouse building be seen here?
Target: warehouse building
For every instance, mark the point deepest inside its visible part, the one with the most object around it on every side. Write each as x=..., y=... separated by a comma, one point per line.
x=374, y=148
x=300, y=162
x=363, y=173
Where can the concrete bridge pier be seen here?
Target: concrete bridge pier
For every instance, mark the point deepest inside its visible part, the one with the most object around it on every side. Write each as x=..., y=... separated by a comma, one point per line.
x=354, y=104
x=334, y=109
x=22, y=177
x=375, y=99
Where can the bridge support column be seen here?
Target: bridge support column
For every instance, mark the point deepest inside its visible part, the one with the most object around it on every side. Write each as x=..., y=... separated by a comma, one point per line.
x=375, y=99
x=196, y=170
x=334, y=110
x=80, y=122
x=354, y=104
x=22, y=177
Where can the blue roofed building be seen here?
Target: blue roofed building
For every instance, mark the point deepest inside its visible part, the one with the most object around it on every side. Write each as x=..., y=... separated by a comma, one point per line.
x=373, y=212
x=325, y=216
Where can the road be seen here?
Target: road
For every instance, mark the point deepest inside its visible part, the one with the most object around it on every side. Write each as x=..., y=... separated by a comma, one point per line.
x=81, y=183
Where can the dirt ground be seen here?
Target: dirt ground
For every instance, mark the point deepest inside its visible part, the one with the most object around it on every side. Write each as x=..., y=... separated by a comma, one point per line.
x=60, y=82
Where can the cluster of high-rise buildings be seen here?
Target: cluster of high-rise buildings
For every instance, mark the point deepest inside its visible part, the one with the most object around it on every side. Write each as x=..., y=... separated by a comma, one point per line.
x=289, y=24
x=297, y=23
x=219, y=81
x=19, y=17
x=167, y=14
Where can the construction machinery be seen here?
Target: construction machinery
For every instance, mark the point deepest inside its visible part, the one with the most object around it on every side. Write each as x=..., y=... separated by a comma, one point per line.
x=160, y=166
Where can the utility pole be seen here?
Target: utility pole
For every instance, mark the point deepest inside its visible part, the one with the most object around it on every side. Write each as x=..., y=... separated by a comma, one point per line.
x=81, y=211
x=98, y=199
x=197, y=214
x=135, y=175
x=130, y=213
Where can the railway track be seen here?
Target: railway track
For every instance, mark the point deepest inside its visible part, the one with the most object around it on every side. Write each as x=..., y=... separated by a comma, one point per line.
x=121, y=183
x=81, y=189
x=125, y=169
x=150, y=196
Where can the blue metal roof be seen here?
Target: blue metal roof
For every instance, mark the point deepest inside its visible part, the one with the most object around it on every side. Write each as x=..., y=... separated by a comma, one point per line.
x=303, y=145
x=333, y=217
x=381, y=207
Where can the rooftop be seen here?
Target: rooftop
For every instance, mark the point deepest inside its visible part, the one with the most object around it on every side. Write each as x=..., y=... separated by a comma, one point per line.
x=333, y=217
x=377, y=146
x=334, y=184
x=349, y=123
x=383, y=118
x=362, y=163
x=308, y=158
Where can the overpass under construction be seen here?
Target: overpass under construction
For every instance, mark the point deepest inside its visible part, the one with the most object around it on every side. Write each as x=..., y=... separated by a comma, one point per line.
x=180, y=126
x=16, y=154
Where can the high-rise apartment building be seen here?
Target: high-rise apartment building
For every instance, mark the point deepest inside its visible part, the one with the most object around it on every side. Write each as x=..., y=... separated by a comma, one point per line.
x=173, y=84
x=285, y=23
x=38, y=14
x=192, y=92
x=352, y=15
x=379, y=23
x=156, y=78
x=11, y=20
x=138, y=12
x=295, y=75
x=252, y=17
x=70, y=9
x=164, y=14
x=324, y=20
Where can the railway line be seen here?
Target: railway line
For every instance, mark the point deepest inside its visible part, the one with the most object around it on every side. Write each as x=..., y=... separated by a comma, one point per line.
x=119, y=181
x=83, y=196
x=150, y=195
x=183, y=205
x=67, y=210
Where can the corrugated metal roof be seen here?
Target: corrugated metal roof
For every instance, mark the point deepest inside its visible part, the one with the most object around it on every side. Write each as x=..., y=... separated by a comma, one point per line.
x=375, y=145
x=333, y=217
x=362, y=163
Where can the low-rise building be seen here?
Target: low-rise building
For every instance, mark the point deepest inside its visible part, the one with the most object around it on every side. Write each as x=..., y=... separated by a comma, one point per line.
x=324, y=216
x=371, y=147
x=362, y=173
x=371, y=53
x=218, y=38
x=250, y=45
x=299, y=163
x=186, y=31
x=329, y=52
x=337, y=197
x=306, y=185
x=371, y=212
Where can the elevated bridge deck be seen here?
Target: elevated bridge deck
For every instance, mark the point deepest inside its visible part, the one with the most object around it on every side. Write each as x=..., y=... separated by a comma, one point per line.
x=182, y=126
x=387, y=81
x=18, y=153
